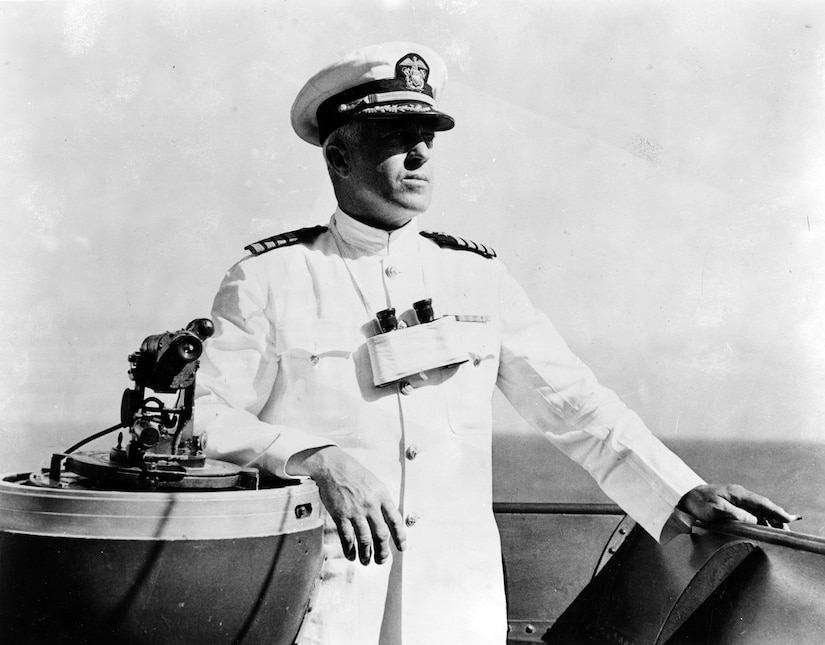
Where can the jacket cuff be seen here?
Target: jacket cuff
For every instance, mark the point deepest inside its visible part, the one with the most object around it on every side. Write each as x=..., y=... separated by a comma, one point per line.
x=251, y=443
x=660, y=511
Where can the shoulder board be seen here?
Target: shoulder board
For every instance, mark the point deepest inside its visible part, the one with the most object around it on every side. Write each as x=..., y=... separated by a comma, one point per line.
x=459, y=243
x=300, y=236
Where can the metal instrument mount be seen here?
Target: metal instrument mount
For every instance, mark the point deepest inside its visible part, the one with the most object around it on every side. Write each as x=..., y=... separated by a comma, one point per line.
x=161, y=450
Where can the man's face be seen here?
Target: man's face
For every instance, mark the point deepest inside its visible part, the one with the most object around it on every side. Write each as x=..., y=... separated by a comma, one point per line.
x=391, y=174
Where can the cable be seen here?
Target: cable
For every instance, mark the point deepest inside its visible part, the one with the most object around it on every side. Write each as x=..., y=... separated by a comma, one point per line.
x=96, y=435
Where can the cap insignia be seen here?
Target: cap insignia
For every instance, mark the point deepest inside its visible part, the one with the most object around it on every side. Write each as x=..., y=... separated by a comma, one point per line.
x=414, y=70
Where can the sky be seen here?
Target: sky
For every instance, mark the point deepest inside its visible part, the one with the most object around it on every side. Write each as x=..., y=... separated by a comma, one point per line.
x=651, y=172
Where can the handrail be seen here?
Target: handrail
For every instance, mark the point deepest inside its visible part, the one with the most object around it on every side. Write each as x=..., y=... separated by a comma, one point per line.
x=768, y=534
x=780, y=537
x=556, y=508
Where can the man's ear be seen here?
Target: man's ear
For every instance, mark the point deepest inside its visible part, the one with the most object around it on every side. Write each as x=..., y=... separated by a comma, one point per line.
x=338, y=159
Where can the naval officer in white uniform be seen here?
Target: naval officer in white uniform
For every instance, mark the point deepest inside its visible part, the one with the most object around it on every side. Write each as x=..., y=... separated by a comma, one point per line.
x=299, y=381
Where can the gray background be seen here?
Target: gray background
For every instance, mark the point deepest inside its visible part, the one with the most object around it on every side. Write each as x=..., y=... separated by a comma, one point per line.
x=651, y=172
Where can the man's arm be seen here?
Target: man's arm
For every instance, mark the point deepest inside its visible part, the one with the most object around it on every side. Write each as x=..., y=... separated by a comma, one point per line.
x=561, y=397
x=238, y=371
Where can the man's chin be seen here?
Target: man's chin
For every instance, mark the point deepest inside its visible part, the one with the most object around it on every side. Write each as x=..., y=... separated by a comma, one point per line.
x=413, y=206
x=390, y=214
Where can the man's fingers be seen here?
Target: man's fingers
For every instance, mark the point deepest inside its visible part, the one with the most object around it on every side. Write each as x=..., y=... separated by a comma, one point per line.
x=735, y=512
x=347, y=536
x=759, y=505
x=396, y=525
x=713, y=502
x=372, y=535
x=364, y=538
x=381, y=539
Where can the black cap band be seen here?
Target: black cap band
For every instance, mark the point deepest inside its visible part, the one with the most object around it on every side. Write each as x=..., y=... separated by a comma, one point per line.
x=344, y=106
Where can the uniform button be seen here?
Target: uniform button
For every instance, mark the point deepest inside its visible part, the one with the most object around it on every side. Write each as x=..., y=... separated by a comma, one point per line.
x=412, y=518
x=406, y=388
x=392, y=271
x=412, y=452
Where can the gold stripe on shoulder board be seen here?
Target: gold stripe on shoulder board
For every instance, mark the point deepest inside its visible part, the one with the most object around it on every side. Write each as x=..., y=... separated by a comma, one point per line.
x=298, y=236
x=445, y=240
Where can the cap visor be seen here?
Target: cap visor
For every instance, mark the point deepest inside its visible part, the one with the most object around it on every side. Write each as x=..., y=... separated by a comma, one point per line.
x=438, y=120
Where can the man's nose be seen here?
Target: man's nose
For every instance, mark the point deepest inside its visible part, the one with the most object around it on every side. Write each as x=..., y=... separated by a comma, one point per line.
x=420, y=153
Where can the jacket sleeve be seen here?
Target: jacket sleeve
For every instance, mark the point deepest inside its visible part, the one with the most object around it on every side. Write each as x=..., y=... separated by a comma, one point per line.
x=238, y=371
x=559, y=395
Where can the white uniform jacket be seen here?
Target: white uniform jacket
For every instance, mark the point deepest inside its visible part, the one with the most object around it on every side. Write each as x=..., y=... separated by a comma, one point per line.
x=288, y=369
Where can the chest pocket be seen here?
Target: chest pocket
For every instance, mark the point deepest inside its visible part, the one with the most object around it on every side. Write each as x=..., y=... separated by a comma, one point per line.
x=318, y=385
x=468, y=388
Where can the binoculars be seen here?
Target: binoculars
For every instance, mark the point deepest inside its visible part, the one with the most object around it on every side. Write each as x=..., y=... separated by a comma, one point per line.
x=434, y=343
x=423, y=311
x=167, y=362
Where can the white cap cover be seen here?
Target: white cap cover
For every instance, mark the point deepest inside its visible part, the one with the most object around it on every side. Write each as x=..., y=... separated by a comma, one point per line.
x=391, y=80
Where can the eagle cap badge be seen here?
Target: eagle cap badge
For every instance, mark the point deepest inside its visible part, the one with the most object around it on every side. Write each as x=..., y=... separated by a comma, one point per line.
x=414, y=70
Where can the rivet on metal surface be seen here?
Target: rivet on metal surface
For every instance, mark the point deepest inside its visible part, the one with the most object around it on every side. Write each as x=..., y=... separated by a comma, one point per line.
x=620, y=534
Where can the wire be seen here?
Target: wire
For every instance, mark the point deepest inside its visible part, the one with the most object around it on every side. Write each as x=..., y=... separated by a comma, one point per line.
x=96, y=435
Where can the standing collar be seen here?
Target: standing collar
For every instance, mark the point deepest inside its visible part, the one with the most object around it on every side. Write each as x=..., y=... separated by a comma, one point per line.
x=370, y=240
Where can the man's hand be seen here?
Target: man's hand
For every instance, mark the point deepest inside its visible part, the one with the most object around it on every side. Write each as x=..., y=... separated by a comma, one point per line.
x=356, y=500
x=712, y=503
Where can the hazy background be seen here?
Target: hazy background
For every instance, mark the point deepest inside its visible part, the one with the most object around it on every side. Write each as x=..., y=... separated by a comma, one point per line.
x=652, y=172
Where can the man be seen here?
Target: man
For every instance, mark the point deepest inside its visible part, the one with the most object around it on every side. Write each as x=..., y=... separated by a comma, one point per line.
x=294, y=379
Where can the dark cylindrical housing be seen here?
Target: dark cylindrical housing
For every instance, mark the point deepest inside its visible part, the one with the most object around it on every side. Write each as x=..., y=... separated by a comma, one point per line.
x=187, y=346
x=424, y=310
x=203, y=327
x=387, y=320
x=146, y=434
